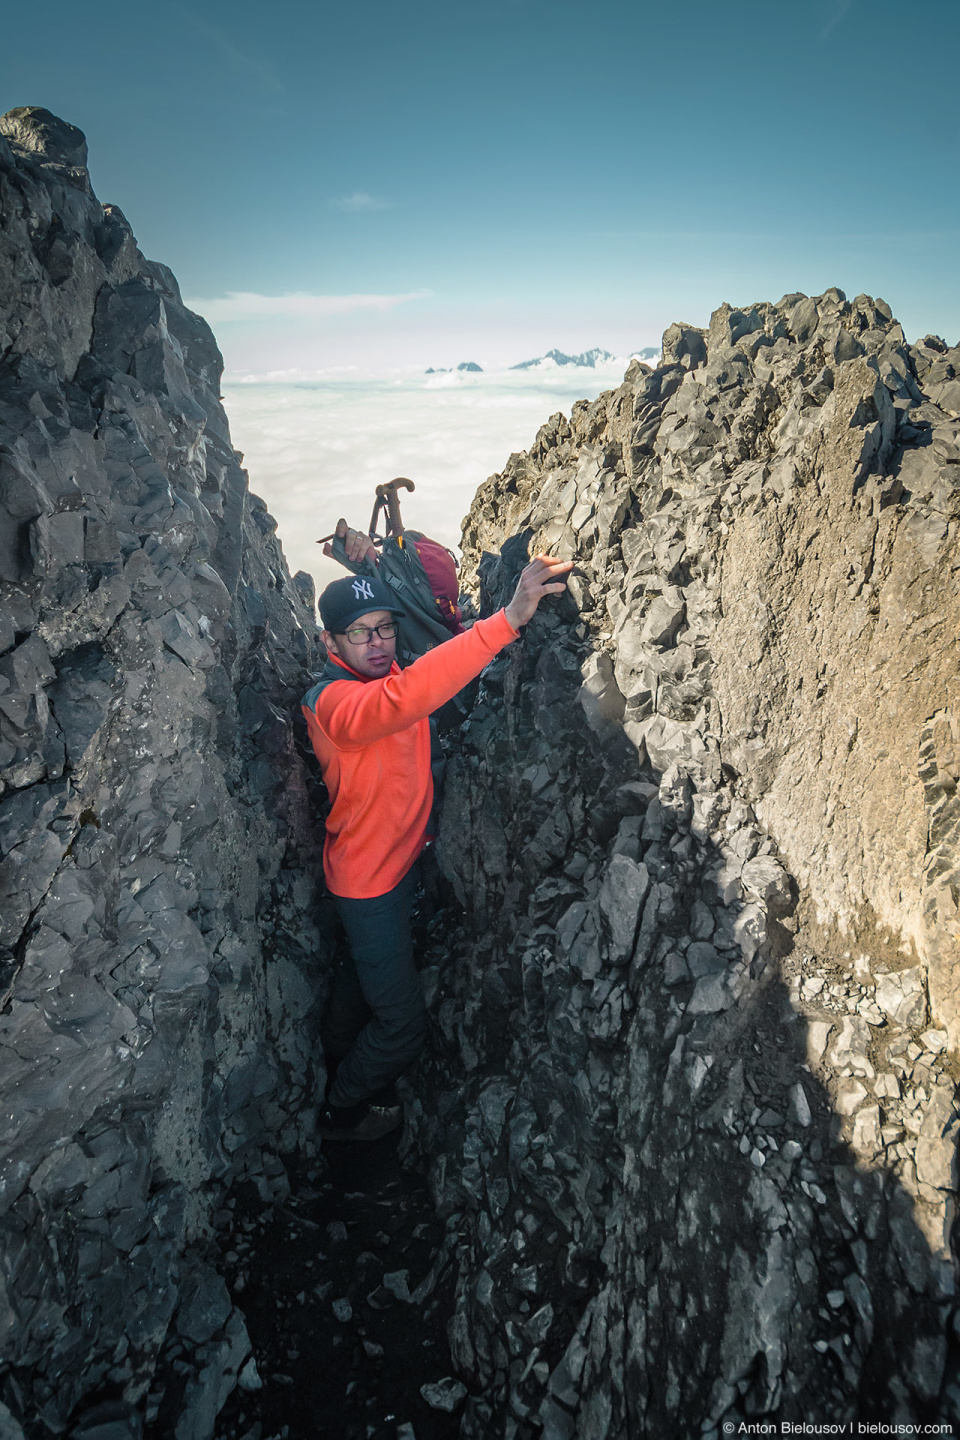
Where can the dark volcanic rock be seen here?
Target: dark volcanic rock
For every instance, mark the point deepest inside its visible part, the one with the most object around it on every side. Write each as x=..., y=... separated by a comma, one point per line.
x=692, y=1089
x=158, y=853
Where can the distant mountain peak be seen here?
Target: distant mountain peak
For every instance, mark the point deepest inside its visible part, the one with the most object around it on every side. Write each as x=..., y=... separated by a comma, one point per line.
x=587, y=359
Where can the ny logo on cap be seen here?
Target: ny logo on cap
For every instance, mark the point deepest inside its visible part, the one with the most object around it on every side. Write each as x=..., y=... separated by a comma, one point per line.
x=362, y=589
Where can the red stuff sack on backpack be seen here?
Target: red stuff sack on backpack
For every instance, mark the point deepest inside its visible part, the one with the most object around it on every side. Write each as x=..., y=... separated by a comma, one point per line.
x=441, y=572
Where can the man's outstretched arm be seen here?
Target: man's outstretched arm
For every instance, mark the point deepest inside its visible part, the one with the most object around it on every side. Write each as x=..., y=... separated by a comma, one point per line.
x=356, y=715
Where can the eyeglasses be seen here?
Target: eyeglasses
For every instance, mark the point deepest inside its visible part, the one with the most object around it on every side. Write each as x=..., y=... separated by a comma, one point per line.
x=363, y=634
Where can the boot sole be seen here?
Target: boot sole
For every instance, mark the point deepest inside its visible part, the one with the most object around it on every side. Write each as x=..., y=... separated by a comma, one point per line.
x=378, y=1121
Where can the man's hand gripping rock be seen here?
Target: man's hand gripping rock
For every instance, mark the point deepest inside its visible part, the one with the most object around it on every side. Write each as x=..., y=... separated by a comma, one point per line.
x=543, y=576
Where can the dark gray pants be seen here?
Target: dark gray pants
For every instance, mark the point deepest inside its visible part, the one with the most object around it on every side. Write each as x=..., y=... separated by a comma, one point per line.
x=376, y=1019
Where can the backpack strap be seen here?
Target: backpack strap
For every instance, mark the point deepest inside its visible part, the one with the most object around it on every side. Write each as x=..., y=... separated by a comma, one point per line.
x=328, y=676
x=421, y=627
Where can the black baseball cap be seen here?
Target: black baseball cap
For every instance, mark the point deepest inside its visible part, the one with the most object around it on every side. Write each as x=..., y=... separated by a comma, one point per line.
x=346, y=600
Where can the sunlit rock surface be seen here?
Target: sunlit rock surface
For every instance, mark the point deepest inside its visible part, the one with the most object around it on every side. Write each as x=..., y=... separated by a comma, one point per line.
x=691, y=1101
x=158, y=854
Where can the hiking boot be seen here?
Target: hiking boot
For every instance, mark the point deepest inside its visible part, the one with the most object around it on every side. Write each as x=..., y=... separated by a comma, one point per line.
x=372, y=1123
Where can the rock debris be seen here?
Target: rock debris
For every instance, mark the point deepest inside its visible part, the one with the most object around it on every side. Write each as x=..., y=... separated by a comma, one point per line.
x=347, y=1320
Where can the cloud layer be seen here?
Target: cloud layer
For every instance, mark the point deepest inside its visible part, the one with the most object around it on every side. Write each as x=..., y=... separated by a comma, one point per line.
x=316, y=448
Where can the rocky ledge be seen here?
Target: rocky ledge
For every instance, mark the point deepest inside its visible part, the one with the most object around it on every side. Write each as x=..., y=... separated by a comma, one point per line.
x=158, y=853
x=692, y=1102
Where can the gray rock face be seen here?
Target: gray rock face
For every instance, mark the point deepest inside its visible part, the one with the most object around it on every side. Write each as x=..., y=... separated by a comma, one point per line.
x=686, y=1098
x=158, y=852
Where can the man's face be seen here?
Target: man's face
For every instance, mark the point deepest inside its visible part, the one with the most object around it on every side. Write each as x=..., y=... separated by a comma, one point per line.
x=362, y=648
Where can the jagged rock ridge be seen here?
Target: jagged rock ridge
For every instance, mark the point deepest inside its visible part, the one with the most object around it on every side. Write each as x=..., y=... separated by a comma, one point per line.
x=692, y=1098
x=158, y=855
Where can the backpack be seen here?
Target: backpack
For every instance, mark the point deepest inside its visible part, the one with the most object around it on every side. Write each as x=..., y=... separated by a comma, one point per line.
x=424, y=575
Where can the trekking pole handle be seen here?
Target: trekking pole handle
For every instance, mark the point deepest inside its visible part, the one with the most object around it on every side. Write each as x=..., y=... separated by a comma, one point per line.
x=387, y=494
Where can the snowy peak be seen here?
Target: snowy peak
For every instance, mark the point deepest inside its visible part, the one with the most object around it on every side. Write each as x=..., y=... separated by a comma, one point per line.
x=587, y=359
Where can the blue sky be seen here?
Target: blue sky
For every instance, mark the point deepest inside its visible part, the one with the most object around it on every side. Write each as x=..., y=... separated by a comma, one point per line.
x=449, y=181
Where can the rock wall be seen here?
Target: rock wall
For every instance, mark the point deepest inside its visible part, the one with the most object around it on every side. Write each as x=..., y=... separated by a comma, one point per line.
x=158, y=849
x=691, y=1104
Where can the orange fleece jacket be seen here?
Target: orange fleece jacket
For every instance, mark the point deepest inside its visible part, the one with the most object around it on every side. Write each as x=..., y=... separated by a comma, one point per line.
x=373, y=744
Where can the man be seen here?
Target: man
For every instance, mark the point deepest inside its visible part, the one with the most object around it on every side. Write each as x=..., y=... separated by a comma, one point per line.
x=368, y=722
